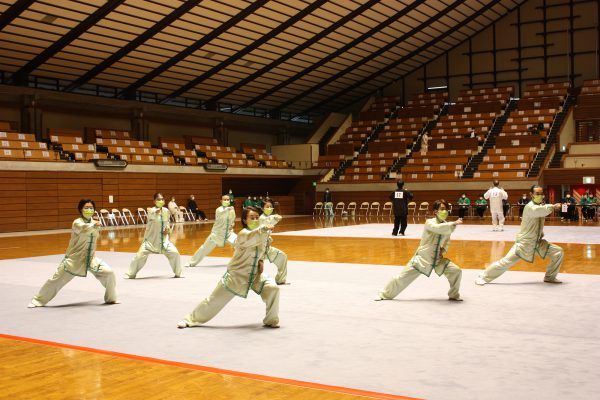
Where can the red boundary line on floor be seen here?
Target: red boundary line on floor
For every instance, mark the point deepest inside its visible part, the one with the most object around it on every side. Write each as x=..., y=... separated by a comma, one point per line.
x=265, y=378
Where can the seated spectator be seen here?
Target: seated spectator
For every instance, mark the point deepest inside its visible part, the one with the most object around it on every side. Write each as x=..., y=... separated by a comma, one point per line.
x=196, y=212
x=175, y=211
x=464, y=203
x=248, y=202
x=568, y=208
x=480, y=206
x=522, y=202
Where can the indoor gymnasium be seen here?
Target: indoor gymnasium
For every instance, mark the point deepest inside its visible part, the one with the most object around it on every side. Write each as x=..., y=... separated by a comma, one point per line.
x=300, y=199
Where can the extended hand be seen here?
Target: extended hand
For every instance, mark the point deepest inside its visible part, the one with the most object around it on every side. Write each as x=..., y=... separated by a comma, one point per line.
x=557, y=206
x=458, y=221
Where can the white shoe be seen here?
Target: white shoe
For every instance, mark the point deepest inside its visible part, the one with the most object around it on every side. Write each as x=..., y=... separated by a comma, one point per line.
x=494, y=229
x=31, y=305
x=126, y=276
x=182, y=324
x=187, y=266
x=480, y=281
x=501, y=229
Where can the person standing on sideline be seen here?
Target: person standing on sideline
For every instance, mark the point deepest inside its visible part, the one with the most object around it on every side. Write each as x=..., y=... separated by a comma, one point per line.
x=196, y=212
x=221, y=233
x=464, y=203
x=530, y=240
x=244, y=273
x=400, y=199
x=273, y=254
x=156, y=240
x=480, y=206
x=328, y=203
x=429, y=257
x=522, y=202
x=80, y=258
x=495, y=195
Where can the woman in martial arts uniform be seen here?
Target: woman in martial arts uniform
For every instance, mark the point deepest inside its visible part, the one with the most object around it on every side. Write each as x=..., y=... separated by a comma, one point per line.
x=530, y=240
x=429, y=257
x=221, y=233
x=244, y=272
x=79, y=259
x=273, y=254
x=156, y=240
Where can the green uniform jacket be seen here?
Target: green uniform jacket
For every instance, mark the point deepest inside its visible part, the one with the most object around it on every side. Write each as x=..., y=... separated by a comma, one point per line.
x=155, y=237
x=529, y=239
x=434, y=242
x=242, y=270
x=81, y=253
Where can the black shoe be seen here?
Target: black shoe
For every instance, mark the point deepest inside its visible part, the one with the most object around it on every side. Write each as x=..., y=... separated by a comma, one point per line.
x=394, y=234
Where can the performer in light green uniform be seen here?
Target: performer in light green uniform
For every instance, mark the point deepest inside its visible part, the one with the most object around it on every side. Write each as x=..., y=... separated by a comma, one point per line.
x=273, y=254
x=530, y=240
x=221, y=233
x=79, y=259
x=429, y=257
x=244, y=272
x=156, y=240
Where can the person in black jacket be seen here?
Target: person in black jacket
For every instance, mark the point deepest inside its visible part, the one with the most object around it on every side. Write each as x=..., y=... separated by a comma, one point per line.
x=328, y=203
x=400, y=199
x=193, y=207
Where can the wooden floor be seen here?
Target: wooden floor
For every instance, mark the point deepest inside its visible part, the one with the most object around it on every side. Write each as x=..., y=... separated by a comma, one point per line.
x=32, y=369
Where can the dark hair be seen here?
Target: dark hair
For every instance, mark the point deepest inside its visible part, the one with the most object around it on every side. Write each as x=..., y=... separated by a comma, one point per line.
x=82, y=203
x=535, y=186
x=245, y=213
x=400, y=184
x=438, y=203
x=268, y=202
x=156, y=195
x=496, y=182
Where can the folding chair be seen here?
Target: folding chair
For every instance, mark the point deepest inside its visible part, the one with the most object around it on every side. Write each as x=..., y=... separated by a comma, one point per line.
x=412, y=206
x=318, y=208
x=118, y=216
x=105, y=217
x=339, y=207
x=424, y=206
x=364, y=207
x=186, y=213
x=99, y=218
x=351, y=209
x=142, y=215
x=387, y=207
x=374, y=207
x=128, y=216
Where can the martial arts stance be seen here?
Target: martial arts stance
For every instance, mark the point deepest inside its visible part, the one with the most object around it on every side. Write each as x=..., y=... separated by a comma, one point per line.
x=530, y=240
x=79, y=259
x=400, y=199
x=273, y=254
x=244, y=272
x=221, y=233
x=495, y=195
x=156, y=240
x=429, y=256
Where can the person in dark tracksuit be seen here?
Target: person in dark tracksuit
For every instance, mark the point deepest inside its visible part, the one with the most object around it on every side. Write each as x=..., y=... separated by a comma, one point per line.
x=400, y=198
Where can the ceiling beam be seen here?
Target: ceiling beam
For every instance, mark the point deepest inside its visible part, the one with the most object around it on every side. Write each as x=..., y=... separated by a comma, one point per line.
x=21, y=76
x=402, y=59
x=129, y=91
x=337, y=53
x=247, y=49
x=13, y=12
x=373, y=55
x=314, y=39
x=141, y=39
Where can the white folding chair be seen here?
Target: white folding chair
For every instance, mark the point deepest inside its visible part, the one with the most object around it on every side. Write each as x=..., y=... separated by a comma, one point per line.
x=387, y=207
x=118, y=216
x=186, y=214
x=424, y=206
x=99, y=218
x=339, y=207
x=142, y=215
x=364, y=208
x=374, y=207
x=107, y=218
x=412, y=206
x=128, y=216
x=318, y=208
x=351, y=209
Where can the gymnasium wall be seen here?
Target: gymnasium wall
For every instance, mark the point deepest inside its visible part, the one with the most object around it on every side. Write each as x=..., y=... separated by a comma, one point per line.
x=517, y=50
x=40, y=200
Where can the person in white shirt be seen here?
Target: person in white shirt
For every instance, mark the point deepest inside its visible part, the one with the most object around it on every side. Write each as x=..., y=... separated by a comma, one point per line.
x=175, y=211
x=495, y=195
